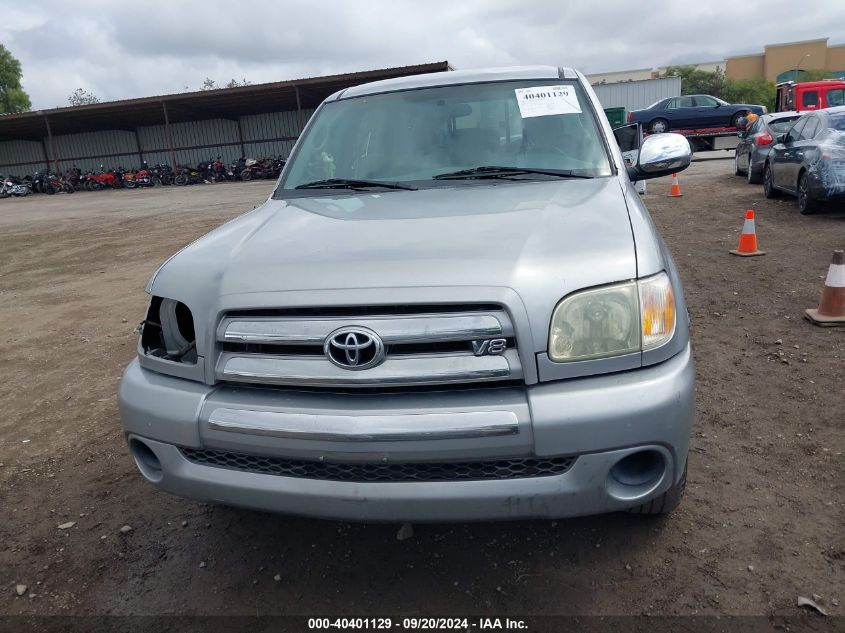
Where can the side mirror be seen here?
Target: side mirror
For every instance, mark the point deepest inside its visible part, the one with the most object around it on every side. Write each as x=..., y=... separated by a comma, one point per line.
x=780, y=138
x=661, y=155
x=741, y=123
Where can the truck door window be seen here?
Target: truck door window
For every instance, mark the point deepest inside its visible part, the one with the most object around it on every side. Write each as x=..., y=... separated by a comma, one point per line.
x=810, y=99
x=835, y=97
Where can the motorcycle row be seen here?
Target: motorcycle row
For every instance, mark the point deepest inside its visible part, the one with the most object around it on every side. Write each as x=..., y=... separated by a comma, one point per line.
x=75, y=179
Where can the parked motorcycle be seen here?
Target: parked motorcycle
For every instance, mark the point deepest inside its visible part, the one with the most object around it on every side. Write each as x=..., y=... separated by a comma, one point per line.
x=13, y=187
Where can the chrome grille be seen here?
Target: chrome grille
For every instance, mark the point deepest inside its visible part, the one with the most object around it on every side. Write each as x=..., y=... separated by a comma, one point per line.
x=382, y=472
x=431, y=346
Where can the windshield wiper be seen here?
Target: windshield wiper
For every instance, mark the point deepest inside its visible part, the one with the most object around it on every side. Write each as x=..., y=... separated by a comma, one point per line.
x=494, y=171
x=350, y=183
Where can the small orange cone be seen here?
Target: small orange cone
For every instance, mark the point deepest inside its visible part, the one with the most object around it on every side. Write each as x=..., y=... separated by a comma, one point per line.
x=831, y=310
x=675, y=189
x=748, y=238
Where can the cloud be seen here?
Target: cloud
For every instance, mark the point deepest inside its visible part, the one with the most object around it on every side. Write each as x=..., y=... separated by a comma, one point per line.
x=123, y=54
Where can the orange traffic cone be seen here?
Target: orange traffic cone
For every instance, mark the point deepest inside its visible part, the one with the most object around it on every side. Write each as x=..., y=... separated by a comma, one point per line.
x=748, y=238
x=675, y=189
x=831, y=310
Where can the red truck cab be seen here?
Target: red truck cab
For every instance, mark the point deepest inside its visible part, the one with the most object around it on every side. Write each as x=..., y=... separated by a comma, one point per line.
x=810, y=95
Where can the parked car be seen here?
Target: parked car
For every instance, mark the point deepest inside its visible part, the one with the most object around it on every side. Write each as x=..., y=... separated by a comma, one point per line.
x=691, y=112
x=809, y=161
x=453, y=306
x=810, y=95
x=756, y=141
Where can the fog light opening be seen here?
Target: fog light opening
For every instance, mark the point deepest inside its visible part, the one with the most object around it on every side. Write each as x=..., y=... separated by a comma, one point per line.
x=146, y=460
x=639, y=469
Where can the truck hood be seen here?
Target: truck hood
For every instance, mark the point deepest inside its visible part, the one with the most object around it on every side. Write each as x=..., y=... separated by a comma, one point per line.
x=541, y=239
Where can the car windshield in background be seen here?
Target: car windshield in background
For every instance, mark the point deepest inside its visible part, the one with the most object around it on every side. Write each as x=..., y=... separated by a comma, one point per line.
x=781, y=126
x=415, y=135
x=837, y=121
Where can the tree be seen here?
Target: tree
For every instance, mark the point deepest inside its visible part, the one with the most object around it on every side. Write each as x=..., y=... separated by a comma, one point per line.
x=753, y=91
x=234, y=83
x=12, y=95
x=699, y=82
x=80, y=97
x=209, y=84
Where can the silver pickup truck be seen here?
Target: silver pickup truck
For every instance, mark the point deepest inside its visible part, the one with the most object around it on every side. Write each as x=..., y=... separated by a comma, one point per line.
x=454, y=306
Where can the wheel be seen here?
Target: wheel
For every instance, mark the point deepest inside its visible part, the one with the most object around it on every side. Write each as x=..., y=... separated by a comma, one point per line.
x=737, y=169
x=658, y=126
x=156, y=181
x=246, y=174
x=68, y=188
x=737, y=117
x=181, y=179
x=130, y=184
x=807, y=205
x=665, y=503
x=167, y=179
x=750, y=176
x=768, y=183
x=48, y=189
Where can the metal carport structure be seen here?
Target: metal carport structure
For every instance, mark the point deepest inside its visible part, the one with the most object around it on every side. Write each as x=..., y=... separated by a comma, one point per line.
x=255, y=120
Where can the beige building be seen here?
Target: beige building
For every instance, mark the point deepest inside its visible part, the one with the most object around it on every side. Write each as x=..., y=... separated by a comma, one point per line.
x=638, y=74
x=782, y=62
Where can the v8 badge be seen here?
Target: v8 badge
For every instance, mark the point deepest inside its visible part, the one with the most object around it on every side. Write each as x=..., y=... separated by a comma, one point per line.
x=491, y=346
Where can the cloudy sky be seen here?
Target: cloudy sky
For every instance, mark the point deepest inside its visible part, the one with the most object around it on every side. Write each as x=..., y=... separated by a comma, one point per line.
x=122, y=50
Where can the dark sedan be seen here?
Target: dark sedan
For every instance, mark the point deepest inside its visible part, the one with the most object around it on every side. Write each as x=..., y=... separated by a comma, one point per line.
x=691, y=112
x=809, y=161
x=756, y=142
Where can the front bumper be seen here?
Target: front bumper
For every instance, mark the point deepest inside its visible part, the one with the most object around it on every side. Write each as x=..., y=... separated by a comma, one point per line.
x=600, y=420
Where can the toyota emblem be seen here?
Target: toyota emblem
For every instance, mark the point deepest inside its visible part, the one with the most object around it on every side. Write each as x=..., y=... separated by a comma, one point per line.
x=354, y=348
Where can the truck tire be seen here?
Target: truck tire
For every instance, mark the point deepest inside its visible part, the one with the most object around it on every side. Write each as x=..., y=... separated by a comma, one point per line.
x=665, y=503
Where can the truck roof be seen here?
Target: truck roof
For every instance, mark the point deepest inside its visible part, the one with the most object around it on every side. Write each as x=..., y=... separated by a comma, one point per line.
x=449, y=78
x=813, y=84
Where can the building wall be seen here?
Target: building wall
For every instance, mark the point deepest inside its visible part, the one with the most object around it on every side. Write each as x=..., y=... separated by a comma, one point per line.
x=783, y=57
x=745, y=67
x=777, y=59
x=836, y=58
x=264, y=135
x=620, y=75
x=634, y=95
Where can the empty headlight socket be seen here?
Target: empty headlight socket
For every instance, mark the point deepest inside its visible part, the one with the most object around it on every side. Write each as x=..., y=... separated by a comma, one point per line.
x=168, y=331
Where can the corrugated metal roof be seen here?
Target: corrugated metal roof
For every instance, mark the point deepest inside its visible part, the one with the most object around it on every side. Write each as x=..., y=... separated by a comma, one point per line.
x=129, y=114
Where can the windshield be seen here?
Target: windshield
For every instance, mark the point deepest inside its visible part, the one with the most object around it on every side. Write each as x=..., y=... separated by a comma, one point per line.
x=837, y=121
x=415, y=135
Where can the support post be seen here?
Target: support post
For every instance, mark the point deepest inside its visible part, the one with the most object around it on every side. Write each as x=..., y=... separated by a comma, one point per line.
x=46, y=155
x=52, y=146
x=299, y=114
x=167, y=136
x=241, y=137
x=140, y=151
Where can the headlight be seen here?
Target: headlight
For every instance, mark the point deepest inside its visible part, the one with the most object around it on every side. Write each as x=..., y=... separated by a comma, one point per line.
x=168, y=332
x=613, y=320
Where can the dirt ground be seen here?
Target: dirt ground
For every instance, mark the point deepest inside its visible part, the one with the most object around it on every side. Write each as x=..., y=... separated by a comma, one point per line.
x=761, y=524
